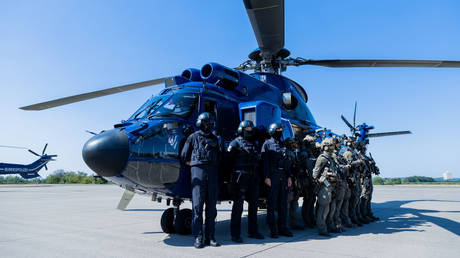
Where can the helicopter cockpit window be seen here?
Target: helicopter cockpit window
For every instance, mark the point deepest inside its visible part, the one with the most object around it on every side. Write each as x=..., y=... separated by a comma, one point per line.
x=149, y=106
x=181, y=105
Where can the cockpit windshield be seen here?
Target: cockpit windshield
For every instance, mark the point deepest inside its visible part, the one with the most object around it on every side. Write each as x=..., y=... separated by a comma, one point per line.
x=149, y=106
x=181, y=105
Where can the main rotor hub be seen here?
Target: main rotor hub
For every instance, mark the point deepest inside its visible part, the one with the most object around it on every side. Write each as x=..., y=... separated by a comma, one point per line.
x=271, y=64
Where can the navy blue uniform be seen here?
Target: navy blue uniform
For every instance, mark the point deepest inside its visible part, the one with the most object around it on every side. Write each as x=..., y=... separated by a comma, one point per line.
x=203, y=151
x=276, y=168
x=244, y=157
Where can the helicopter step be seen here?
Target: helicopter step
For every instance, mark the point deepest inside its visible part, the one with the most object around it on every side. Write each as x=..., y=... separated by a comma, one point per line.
x=175, y=220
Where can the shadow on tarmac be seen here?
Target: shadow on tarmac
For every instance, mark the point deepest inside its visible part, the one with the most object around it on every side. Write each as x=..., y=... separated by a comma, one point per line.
x=394, y=218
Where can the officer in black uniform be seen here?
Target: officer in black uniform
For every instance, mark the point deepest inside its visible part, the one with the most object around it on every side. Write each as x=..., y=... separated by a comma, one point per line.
x=244, y=157
x=202, y=152
x=277, y=178
x=308, y=188
x=297, y=171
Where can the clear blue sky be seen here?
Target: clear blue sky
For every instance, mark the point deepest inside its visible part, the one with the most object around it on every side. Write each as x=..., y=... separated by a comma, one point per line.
x=52, y=49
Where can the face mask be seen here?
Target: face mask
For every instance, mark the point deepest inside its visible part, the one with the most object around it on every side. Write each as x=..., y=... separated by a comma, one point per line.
x=277, y=135
x=248, y=134
x=207, y=127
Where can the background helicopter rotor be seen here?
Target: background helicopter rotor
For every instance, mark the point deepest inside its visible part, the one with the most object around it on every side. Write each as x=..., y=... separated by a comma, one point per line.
x=362, y=130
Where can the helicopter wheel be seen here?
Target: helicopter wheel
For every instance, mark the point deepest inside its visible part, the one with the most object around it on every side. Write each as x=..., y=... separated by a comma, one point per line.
x=183, y=222
x=167, y=221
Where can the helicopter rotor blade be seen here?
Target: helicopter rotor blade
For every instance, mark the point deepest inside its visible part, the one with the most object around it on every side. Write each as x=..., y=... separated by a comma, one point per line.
x=267, y=20
x=44, y=149
x=388, y=133
x=33, y=152
x=354, y=115
x=93, y=94
x=352, y=128
x=349, y=63
x=13, y=147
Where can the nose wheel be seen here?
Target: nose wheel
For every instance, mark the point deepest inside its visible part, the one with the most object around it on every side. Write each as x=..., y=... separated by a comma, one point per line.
x=175, y=220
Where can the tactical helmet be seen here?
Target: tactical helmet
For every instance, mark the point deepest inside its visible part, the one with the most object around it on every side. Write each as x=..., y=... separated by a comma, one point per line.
x=243, y=124
x=309, y=139
x=205, y=121
x=273, y=127
x=327, y=144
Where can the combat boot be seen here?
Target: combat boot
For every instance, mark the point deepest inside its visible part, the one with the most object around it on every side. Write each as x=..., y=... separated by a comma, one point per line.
x=198, y=242
x=211, y=242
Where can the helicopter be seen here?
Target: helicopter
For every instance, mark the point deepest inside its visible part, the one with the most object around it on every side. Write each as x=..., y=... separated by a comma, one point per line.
x=361, y=132
x=30, y=170
x=141, y=154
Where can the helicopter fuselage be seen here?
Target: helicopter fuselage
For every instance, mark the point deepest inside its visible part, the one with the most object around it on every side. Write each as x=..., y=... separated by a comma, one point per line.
x=142, y=153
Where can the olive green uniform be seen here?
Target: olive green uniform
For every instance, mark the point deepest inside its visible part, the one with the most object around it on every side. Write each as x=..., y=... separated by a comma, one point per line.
x=325, y=173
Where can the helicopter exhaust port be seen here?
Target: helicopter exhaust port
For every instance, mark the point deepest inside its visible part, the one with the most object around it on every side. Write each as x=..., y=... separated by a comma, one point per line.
x=107, y=153
x=192, y=74
x=220, y=75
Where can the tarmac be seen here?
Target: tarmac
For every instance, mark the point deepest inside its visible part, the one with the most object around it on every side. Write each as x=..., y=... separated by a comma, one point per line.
x=81, y=221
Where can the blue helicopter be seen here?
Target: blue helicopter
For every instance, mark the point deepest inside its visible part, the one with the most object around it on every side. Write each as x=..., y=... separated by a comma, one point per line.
x=361, y=132
x=27, y=171
x=141, y=154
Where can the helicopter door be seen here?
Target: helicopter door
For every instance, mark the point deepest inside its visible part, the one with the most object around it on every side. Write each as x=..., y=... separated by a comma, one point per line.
x=287, y=129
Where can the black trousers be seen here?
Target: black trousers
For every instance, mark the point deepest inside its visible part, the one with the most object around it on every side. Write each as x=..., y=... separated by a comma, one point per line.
x=246, y=188
x=277, y=199
x=204, y=191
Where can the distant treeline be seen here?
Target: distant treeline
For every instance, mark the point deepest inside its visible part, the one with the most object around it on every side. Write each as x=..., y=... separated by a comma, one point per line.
x=409, y=180
x=57, y=177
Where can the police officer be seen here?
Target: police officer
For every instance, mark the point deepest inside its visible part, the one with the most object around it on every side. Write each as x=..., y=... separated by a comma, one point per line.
x=277, y=178
x=202, y=152
x=341, y=185
x=244, y=157
x=325, y=173
x=295, y=157
x=363, y=183
x=354, y=183
x=376, y=171
x=369, y=168
x=344, y=212
x=308, y=193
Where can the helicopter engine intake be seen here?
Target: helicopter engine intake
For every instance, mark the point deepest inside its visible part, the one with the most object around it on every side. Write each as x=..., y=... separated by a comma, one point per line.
x=192, y=74
x=220, y=75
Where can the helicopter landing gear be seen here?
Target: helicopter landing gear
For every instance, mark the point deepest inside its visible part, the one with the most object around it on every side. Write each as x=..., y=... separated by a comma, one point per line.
x=167, y=221
x=175, y=220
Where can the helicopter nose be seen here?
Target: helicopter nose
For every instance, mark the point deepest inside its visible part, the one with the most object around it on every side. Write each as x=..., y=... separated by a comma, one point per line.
x=107, y=153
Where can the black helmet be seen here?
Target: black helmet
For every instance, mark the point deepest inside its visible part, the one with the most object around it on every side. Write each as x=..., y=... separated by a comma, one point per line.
x=272, y=128
x=243, y=124
x=205, y=122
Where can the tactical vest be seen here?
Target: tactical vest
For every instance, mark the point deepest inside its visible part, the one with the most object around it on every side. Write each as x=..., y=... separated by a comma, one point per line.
x=330, y=168
x=247, y=156
x=205, y=150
